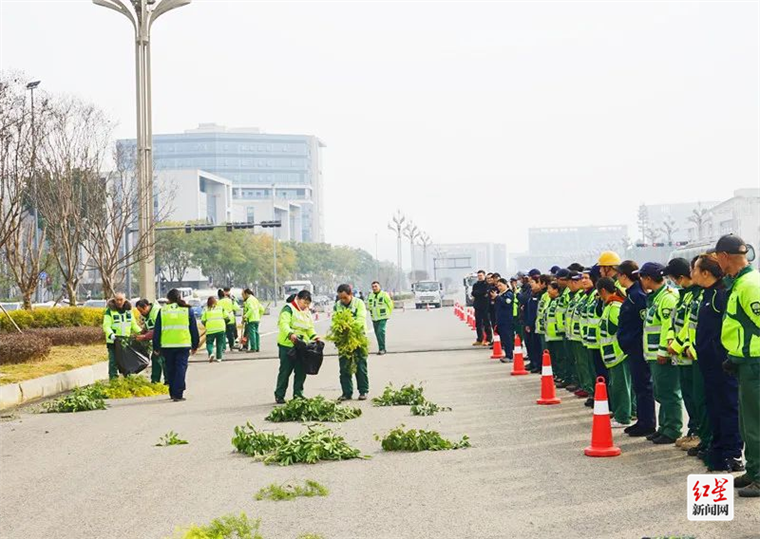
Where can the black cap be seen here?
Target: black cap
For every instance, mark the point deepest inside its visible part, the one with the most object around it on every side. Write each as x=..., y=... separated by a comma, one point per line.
x=554, y=270
x=575, y=275
x=534, y=272
x=563, y=273
x=678, y=267
x=730, y=244
x=651, y=269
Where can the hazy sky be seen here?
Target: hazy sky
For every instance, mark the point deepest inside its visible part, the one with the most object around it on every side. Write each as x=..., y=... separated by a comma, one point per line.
x=478, y=120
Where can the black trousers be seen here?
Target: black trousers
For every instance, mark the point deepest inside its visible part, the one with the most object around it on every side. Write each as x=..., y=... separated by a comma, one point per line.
x=641, y=378
x=507, y=336
x=483, y=324
x=533, y=344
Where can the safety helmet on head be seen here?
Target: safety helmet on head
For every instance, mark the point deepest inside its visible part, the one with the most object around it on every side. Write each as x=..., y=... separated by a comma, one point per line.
x=609, y=258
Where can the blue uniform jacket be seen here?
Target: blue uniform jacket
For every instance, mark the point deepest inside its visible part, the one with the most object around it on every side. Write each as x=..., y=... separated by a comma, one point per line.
x=630, y=331
x=195, y=337
x=531, y=310
x=709, y=323
x=504, y=309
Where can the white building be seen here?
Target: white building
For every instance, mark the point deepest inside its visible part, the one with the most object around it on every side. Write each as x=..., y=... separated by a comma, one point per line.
x=739, y=215
x=194, y=195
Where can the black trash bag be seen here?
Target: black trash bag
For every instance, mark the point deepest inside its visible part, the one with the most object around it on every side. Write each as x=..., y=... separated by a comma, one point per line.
x=309, y=355
x=131, y=358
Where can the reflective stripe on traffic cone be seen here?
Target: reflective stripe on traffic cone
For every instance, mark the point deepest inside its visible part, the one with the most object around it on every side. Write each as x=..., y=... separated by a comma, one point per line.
x=498, y=353
x=518, y=365
x=601, y=431
x=548, y=391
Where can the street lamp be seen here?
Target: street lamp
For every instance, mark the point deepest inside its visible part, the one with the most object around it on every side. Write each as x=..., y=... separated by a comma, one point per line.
x=397, y=226
x=412, y=232
x=142, y=15
x=31, y=87
x=425, y=242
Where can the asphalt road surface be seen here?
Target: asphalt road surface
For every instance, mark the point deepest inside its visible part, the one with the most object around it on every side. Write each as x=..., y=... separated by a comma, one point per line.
x=98, y=474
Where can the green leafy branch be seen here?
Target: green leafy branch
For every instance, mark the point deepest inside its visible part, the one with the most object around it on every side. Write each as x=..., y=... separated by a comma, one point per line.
x=286, y=492
x=171, y=438
x=419, y=440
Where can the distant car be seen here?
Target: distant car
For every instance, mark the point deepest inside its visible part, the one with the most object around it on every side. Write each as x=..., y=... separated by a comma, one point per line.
x=196, y=306
x=11, y=306
x=100, y=303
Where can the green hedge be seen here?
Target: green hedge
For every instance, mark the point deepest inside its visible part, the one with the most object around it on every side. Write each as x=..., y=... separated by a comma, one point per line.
x=52, y=317
x=20, y=347
x=70, y=336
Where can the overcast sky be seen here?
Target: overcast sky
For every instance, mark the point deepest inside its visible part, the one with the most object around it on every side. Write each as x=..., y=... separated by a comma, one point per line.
x=478, y=120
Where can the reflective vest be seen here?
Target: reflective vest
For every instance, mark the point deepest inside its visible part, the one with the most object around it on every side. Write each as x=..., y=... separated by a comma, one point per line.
x=294, y=321
x=175, y=327
x=252, y=310
x=575, y=312
x=515, y=307
x=591, y=320
x=214, y=319
x=119, y=324
x=660, y=305
x=562, y=302
x=740, y=333
x=357, y=308
x=608, y=324
x=678, y=333
x=543, y=302
x=229, y=307
x=380, y=305
x=150, y=321
x=552, y=320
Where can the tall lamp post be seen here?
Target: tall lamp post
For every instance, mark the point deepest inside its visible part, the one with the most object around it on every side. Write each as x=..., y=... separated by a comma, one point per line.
x=397, y=226
x=412, y=232
x=425, y=242
x=31, y=87
x=142, y=15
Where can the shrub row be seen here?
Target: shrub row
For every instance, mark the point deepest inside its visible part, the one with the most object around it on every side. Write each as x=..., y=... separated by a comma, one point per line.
x=19, y=348
x=53, y=317
x=70, y=336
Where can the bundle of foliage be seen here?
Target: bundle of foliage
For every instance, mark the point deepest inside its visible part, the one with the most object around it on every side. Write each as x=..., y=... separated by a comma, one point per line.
x=349, y=337
x=171, y=438
x=53, y=317
x=23, y=347
x=254, y=442
x=312, y=446
x=314, y=409
x=419, y=440
x=428, y=408
x=69, y=336
x=311, y=536
x=407, y=395
x=129, y=386
x=81, y=399
x=225, y=527
x=287, y=491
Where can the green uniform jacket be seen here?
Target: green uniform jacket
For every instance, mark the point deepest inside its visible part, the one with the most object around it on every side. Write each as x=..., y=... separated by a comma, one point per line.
x=357, y=308
x=119, y=323
x=543, y=303
x=380, y=305
x=229, y=307
x=214, y=320
x=252, y=310
x=552, y=319
x=660, y=305
x=590, y=320
x=562, y=302
x=740, y=333
x=678, y=332
x=150, y=321
x=574, y=314
x=611, y=352
x=294, y=321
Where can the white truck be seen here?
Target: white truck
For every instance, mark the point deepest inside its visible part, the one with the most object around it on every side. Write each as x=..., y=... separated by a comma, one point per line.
x=294, y=287
x=427, y=293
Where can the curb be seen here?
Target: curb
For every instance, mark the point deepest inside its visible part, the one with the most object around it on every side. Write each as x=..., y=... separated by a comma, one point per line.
x=12, y=395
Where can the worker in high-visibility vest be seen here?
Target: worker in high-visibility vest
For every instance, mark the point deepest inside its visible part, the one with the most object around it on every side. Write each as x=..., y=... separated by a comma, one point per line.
x=380, y=307
x=252, y=311
x=148, y=313
x=175, y=336
x=348, y=302
x=230, y=307
x=740, y=336
x=214, y=319
x=555, y=335
x=294, y=323
x=619, y=371
x=118, y=323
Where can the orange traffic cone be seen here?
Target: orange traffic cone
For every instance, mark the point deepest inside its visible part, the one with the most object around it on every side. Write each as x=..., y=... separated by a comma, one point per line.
x=518, y=365
x=498, y=353
x=548, y=391
x=601, y=431
x=471, y=320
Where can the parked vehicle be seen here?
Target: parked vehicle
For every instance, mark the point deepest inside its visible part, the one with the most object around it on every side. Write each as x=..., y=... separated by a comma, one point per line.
x=468, y=281
x=294, y=287
x=427, y=293
x=100, y=303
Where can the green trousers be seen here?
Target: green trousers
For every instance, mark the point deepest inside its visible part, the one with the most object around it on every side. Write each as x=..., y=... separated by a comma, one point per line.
x=252, y=334
x=667, y=392
x=693, y=392
x=287, y=366
x=113, y=369
x=217, y=339
x=570, y=361
x=230, y=331
x=749, y=414
x=581, y=357
x=379, y=327
x=346, y=378
x=157, y=367
x=557, y=353
x=620, y=392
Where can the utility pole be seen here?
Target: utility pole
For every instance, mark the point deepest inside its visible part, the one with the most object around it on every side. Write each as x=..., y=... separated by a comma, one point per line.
x=142, y=15
x=397, y=226
x=274, y=246
x=31, y=86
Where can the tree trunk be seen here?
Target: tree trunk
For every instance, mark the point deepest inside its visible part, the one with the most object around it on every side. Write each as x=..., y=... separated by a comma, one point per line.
x=27, y=300
x=71, y=290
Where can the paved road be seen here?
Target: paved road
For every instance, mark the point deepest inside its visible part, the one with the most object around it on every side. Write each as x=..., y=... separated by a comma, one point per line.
x=98, y=475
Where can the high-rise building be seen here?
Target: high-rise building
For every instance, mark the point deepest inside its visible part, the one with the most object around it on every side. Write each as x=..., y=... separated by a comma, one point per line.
x=263, y=169
x=452, y=261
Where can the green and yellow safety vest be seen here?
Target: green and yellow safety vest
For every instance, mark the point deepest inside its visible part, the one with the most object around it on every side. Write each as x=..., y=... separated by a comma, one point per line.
x=552, y=319
x=740, y=333
x=678, y=333
x=252, y=309
x=562, y=303
x=660, y=305
x=214, y=319
x=175, y=327
x=611, y=352
x=590, y=321
x=229, y=307
x=357, y=308
x=380, y=305
x=575, y=311
x=543, y=302
x=294, y=321
x=150, y=321
x=119, y=324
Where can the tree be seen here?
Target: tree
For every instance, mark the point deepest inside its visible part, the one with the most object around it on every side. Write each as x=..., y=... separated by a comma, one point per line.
x=25, y=260
x=643, y=222
x=15, y=153
x=699, y=216
x=668, y=229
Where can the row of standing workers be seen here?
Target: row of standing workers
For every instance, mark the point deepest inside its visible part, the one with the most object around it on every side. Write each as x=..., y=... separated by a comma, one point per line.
x=685, y=335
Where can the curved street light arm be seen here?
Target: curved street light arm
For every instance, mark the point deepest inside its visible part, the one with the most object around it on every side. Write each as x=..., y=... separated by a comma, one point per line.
x=166, y=5
x=118, y=6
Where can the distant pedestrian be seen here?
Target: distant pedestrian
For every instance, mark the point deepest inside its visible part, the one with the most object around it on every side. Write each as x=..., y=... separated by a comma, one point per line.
x=252, y=311
x=481, y=305
x=505, y=321
x=380, y=307
x=214, y=318
x=118, y=324
x=294, y=323
x=175, y=336
x=348, y=302
x=149, y=312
